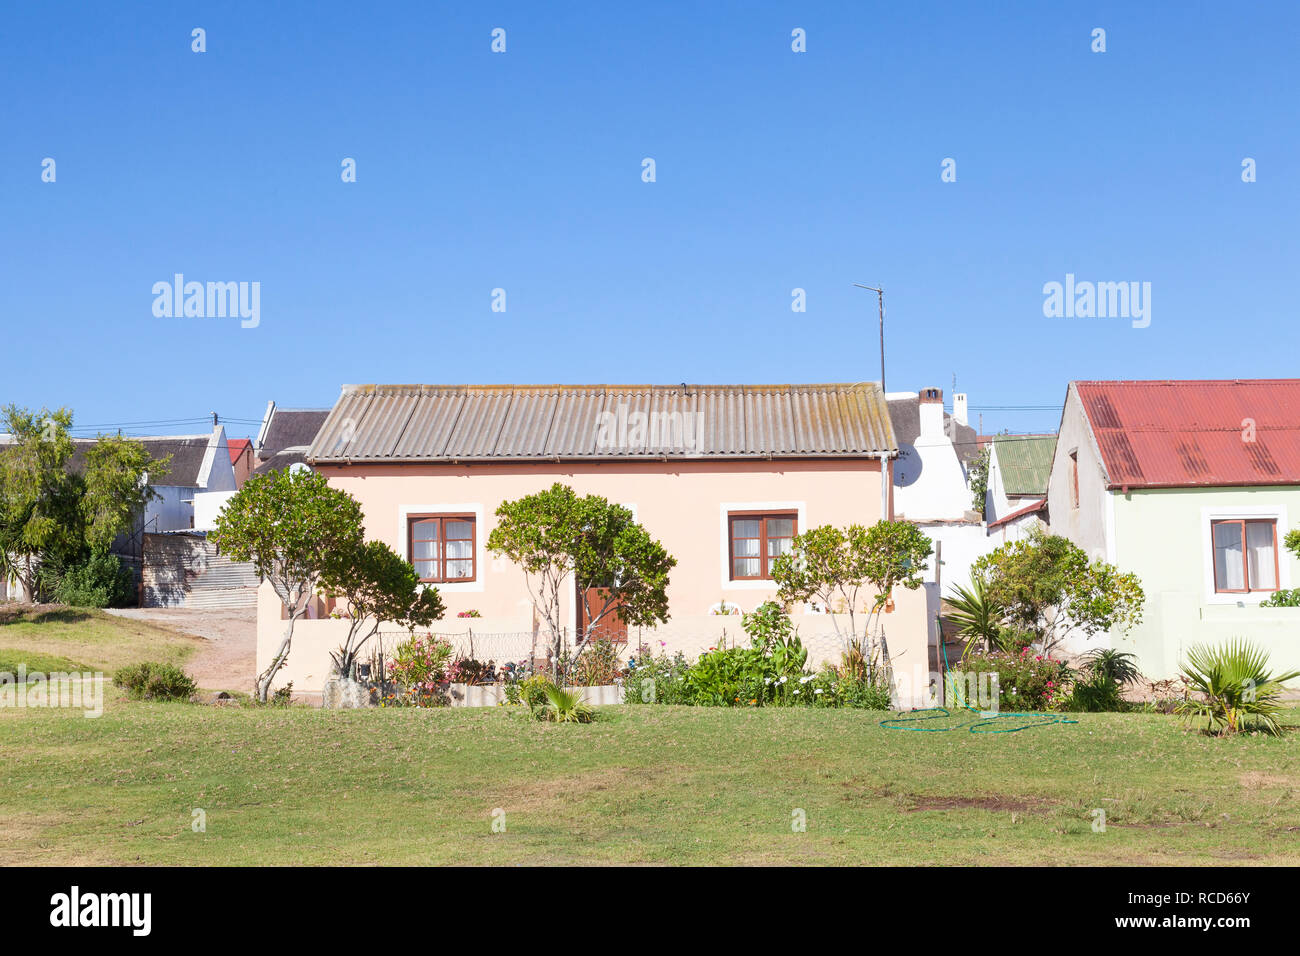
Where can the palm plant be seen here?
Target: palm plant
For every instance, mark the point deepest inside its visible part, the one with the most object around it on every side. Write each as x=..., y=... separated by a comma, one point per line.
x=1109, y=666
x=976, y=614
x=565, y=707
x=1237, y=689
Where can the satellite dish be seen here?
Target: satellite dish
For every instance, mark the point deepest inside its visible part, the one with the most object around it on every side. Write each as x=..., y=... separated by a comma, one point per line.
x=298, y=468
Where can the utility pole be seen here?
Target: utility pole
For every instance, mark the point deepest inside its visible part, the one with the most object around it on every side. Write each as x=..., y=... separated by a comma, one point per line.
x=880, y=298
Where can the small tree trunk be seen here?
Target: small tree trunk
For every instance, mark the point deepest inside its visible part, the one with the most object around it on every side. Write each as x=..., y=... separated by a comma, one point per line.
x=264, y=679
x=27, y=580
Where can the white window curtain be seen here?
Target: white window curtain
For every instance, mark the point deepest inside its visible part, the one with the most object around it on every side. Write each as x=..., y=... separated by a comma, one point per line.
x=1259, y=555
x=1227, y=557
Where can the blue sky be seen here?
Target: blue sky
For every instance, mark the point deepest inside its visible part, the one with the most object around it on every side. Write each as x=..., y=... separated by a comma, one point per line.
x=522, y=171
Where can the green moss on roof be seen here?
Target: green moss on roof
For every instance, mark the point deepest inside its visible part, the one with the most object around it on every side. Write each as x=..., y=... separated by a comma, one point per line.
x=1025, y=462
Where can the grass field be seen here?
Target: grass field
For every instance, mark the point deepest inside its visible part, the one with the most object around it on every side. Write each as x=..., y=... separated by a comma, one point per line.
x=52, y=638
x=645, y=784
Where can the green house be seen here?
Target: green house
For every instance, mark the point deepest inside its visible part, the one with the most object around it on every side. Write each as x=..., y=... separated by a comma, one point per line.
x=1192, y=485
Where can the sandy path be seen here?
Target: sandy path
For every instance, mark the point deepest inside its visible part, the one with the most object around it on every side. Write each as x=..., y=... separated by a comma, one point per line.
x=228, y=658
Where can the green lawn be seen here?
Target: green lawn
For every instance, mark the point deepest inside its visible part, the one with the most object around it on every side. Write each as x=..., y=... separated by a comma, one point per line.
x=51, y=638
x=645, y=784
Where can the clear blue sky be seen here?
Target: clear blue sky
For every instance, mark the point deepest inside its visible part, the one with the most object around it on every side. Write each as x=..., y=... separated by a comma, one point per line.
x=522, y=171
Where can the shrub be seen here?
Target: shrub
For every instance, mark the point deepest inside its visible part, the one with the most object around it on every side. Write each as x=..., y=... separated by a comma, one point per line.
x=1238, y=692
x=656, y=680
x=597, y=664
x=1025, y=681
x=1283, y=598
x=153, y=681
x=531, y=691
x=421, y=663
x=283, y=696
x=858, y=691
x=467, y=670
x=101, y=581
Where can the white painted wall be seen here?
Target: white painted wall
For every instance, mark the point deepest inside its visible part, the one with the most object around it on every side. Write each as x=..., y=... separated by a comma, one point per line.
x=207, y=505
x=1088, y=524
x=929, y=482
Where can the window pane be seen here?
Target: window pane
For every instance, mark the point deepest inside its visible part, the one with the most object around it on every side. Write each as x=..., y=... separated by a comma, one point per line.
x=1259, y=555
x=426, y=529
x=780, y=527
x=460, y=569
x=744, y=547
x=426, y=569
x=745, y=568
x=744, y=528
x=1227, y=556
x=424, y=550
x=460, y=549
x=456, y=529
x=777, y=546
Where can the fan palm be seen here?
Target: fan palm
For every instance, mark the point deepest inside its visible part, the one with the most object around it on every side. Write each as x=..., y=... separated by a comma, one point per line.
x=566, y=707
x=1237, y=689
x=976, y=614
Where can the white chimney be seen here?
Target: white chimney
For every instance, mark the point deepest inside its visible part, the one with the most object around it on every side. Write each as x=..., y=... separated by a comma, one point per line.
x=959, y=408
x=931, y=410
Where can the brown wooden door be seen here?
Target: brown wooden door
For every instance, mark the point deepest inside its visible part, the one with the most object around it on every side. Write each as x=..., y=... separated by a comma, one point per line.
x=611, y=627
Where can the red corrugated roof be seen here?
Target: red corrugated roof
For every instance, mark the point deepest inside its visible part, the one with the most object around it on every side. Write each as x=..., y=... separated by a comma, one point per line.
x=1019, y=513
x=237, y=447
x=1181, y=434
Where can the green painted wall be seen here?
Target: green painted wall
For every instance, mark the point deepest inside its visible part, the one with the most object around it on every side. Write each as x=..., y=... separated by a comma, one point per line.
x=1160, y=536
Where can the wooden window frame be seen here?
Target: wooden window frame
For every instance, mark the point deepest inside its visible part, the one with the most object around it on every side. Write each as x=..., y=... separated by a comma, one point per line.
x=762, y=518
x=1245, y=557
x=442, y=517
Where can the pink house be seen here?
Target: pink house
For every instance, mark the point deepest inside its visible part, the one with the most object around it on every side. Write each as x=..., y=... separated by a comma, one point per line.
x=724, y=476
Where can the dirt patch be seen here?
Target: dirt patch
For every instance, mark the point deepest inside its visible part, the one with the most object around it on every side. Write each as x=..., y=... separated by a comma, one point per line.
x=1255, y=780
x=227, y=660
x=993, y=803
x=547, y=794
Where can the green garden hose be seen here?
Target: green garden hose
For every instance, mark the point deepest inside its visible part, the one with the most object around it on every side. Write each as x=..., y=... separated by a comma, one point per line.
x=980, y=725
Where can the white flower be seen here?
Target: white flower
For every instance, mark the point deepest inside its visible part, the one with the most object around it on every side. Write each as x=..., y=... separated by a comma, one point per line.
x=804, y=680
x=796, y=693
x=782, y=680
x=819, y=691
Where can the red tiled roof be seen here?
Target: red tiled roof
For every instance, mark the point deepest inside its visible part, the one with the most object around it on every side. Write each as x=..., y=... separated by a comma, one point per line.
x=1182, y=434
x=237, y=447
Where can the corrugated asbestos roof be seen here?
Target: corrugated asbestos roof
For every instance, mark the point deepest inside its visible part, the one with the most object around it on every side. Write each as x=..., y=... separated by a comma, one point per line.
x=1025, y=461
x=1179, y=434
x=559, y=422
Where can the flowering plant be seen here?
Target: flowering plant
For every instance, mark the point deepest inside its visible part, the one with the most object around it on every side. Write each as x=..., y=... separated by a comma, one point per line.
x=421, y=663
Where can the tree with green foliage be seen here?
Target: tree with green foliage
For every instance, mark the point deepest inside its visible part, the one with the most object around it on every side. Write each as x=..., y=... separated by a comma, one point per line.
x=565, y=542
x=378, y=585
x=1047, y=584
x=294, y=528
x=832, y=565
x=116, y=486
x=38, y=501
x=55, y=518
